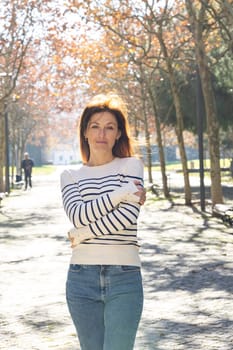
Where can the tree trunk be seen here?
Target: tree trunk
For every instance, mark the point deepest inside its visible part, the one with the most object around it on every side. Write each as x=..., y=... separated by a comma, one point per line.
x=160, y=146
x=2, y=148
x=141, y=81
x=212, y=127
x=148, y=145
x=149, y=158
x=197, y=18
x=179, y=121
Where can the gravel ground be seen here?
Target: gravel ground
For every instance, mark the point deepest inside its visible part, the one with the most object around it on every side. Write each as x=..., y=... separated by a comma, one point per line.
x=186, y=263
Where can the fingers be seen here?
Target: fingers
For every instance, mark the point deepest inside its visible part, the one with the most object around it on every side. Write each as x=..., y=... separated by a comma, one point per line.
x=138, y=183
x=142, y=197
x=141, y=192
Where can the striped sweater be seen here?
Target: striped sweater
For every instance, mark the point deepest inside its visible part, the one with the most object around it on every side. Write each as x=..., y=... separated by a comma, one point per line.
x=101, y=204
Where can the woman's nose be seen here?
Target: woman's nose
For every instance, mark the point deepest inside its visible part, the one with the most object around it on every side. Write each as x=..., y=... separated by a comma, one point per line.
x=101, y=132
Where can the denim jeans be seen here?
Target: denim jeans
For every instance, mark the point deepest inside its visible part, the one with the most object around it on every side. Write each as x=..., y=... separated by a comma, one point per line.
x=105, y=303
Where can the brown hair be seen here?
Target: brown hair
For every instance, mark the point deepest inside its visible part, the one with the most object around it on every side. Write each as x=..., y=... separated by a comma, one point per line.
x=113, y=104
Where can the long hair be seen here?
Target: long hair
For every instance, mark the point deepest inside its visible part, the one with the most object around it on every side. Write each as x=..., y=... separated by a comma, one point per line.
x=113, y=104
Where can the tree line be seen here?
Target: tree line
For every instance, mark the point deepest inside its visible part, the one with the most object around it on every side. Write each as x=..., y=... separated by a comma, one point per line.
x=55, y=56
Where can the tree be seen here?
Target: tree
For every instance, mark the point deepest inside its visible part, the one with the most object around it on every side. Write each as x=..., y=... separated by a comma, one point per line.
x=16, y=23
x=198, y=19
x=139, y=30
x=21, y=125
x=222, y=13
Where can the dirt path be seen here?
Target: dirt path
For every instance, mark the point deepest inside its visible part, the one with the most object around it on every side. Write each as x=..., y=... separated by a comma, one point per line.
x=187, y=271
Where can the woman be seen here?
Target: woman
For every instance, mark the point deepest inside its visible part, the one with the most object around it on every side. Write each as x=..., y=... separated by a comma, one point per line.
x=102, y=200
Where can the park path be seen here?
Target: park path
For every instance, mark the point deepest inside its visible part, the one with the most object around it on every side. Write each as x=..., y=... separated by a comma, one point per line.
x=186, y=263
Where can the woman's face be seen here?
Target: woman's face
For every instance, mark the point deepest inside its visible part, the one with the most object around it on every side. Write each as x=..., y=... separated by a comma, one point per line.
x=102, y=132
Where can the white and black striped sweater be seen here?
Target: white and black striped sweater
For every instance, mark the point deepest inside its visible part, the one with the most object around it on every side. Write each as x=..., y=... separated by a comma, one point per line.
x=101, y=204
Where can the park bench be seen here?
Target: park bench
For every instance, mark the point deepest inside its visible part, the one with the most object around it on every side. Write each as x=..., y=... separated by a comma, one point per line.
x=18, y=184
x=224, y=212
x=206, y=170
x=2, y=195
x=155, y=189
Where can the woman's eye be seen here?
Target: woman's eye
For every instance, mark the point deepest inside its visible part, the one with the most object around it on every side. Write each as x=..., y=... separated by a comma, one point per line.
x=96, y=126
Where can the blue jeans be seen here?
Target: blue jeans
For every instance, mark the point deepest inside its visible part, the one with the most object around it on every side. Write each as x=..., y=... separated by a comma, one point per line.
x=105, y=303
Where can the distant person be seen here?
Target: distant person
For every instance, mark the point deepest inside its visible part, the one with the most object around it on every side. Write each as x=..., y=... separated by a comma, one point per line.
x=27, y=165
x=102, y=199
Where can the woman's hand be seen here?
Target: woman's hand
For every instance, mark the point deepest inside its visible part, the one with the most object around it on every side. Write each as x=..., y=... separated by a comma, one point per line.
x=78, y=235
x=141, y=193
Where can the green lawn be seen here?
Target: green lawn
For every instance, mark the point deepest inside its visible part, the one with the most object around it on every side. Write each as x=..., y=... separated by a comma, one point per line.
x=44, y=170
x=224, y=163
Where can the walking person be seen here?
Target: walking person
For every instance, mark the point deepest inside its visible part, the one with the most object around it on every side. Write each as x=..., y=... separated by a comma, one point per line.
x=27, y=165
x=102, y=199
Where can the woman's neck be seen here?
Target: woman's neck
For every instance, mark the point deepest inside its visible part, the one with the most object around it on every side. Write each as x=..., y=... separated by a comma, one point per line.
x=95, y=161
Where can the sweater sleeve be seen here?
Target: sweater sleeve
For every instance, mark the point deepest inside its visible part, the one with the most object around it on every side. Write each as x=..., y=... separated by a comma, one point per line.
x=82, y=213
x=121, y=217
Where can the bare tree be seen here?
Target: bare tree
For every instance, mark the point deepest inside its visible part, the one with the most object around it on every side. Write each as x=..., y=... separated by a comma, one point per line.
x=197, y=15
x=16, y=23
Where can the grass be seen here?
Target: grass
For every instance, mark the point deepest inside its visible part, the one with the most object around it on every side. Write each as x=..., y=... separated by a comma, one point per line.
x=193, y=164
x=40, y=170
x=44, y=170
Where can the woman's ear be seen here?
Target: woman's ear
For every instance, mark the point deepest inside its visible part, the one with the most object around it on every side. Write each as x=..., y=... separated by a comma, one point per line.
x=118, y=135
